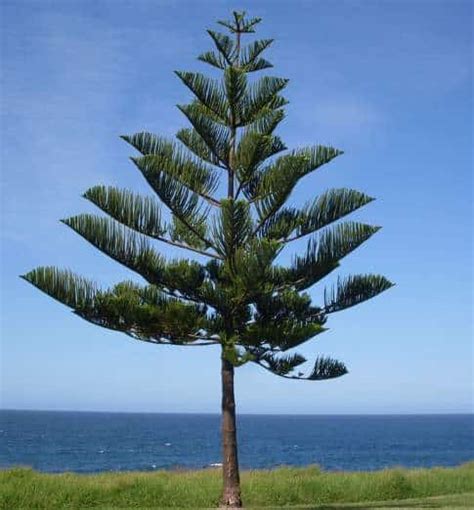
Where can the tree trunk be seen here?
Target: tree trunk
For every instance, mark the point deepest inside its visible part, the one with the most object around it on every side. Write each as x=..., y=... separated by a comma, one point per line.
x=230, y=462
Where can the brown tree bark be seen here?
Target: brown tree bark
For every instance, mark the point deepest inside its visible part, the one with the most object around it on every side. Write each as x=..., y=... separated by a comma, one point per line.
x=230, y=463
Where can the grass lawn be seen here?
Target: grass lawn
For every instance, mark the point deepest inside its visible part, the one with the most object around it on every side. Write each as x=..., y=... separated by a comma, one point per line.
x=309, y=488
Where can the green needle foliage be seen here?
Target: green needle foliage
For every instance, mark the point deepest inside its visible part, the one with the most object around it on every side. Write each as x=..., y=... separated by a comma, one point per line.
x=234, y=292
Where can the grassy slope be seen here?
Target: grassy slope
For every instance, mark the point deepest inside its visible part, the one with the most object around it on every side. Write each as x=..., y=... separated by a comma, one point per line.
x=25, y=488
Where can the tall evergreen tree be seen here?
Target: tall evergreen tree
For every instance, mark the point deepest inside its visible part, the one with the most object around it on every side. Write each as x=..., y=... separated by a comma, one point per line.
x=233, y=293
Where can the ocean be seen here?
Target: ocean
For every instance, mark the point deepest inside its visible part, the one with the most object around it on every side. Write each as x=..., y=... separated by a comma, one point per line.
x=86, y=442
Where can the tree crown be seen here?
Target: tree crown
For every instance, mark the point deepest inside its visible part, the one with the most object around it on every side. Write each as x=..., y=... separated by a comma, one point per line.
x=233, y=292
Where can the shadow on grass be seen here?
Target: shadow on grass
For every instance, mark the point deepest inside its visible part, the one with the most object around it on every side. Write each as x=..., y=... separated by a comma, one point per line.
x=452, y=502
x=464, y=501
x=378, y=505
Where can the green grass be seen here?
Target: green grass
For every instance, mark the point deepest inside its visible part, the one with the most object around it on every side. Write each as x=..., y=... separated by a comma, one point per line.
x=291, y=487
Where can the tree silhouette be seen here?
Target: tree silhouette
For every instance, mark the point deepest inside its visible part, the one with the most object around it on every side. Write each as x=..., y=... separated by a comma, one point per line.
x=225, y=183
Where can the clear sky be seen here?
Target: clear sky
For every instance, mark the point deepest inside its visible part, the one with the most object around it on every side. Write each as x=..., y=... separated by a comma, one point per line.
x=390, y=82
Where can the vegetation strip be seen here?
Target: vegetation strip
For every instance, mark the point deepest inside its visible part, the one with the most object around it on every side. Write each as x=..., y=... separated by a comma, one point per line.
x=23, y=488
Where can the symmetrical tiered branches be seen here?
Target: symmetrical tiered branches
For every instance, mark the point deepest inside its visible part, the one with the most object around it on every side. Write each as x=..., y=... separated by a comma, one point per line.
x=233, y=293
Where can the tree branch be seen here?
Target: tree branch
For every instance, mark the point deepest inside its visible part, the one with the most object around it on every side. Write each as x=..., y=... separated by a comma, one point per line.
x=279, y=375
x=209, y=199
x=187, y=247
x=193, y=230
x=168, y=342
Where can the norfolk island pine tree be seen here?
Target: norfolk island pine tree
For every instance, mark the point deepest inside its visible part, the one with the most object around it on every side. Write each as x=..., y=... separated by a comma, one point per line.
x=233, y=292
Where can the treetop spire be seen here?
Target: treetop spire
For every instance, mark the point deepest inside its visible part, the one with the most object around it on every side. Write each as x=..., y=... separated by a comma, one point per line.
x=239, y=23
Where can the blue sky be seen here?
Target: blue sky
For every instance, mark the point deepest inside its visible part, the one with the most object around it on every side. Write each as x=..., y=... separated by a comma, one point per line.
x=390, y=82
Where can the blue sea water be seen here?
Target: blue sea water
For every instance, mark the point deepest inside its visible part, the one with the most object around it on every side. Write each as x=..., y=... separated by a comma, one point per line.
x=94, y=442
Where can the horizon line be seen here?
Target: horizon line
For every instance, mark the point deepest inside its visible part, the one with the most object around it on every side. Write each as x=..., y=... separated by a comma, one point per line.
x=207, y=413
